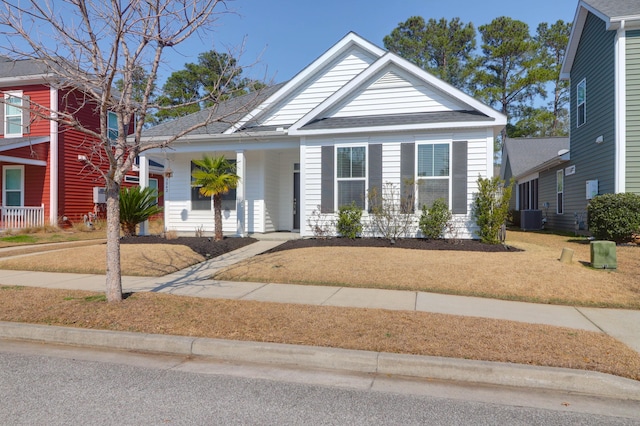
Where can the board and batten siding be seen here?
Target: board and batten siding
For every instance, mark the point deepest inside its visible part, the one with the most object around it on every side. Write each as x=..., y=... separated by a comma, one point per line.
x=396, y=93
x=314, y=91
x=477, y=143
x=591, y=160
x=632, y=183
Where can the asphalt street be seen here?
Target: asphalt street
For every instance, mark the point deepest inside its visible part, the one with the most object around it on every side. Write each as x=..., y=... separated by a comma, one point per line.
x=55, y=385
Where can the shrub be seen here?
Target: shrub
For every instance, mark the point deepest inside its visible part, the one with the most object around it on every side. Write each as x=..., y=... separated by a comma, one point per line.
x=491, y=207
x=391, y=212
x=434, y=220
x=349, y=221
x=318, y=223
x=136, y=206
x=614, y=217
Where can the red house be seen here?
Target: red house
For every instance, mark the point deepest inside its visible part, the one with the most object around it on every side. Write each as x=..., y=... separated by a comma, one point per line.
x=44, y=174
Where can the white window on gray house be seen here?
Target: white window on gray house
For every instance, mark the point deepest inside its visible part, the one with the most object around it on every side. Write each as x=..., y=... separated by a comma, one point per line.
x=581, y=97
x=433, y=173
x=560, y=191
x=13, y=114
x=351, y=175
x=201, y=202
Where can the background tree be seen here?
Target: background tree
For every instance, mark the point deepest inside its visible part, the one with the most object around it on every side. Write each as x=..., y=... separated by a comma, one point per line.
x=443, y=48
x=88, y=46
x=509, y=72
x=215, y=176
x=214, y=76
x=552, y=41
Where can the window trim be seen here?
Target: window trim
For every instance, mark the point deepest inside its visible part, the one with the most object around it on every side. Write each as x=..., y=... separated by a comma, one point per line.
x=192, y=188
x=560, y=192
x=112, y=133
x=4, y=184
x=364, y=178
x=582, y=84
x=19, y=95
x=418, y=178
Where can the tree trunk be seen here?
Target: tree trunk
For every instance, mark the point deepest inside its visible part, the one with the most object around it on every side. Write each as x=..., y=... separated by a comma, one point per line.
x=114, y=275
x=217, y=215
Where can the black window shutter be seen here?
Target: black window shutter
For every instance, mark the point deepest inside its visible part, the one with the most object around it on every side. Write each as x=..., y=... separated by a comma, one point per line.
x=459, y=177
x=375, y=173
x=327, y=180
x=407, y=169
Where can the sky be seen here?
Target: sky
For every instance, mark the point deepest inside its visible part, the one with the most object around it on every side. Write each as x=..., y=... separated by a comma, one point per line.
x=279, y=38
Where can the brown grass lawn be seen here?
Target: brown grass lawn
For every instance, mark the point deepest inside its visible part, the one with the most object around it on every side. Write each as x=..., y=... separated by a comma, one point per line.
x=351, y=328
x=535, y=274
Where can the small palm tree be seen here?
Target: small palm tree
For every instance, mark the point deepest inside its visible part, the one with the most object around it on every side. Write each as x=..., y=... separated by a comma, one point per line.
x=215, y=176
x=136, y=206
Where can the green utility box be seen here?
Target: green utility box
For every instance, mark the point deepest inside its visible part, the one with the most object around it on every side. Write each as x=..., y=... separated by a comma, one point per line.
x=603, y=255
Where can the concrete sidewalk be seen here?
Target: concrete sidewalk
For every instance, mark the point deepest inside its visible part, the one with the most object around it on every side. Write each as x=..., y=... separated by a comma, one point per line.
x=623, y=325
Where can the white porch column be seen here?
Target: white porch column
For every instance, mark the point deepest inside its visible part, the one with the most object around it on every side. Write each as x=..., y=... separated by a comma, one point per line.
x=53, y=158
x=240, y=192
x=143, y=176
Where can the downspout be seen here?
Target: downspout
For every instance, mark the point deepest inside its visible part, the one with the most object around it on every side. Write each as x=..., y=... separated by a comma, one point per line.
x=621, y=111
x=53, y=157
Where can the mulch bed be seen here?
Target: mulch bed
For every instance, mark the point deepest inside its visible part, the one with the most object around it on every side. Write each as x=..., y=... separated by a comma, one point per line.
x=405, y=243
x=204, y=246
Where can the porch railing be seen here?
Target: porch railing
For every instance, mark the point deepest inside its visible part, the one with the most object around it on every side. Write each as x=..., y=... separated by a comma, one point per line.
x=21, y=217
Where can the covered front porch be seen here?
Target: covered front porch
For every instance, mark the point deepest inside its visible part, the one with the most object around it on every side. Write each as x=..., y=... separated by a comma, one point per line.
x=267, y=199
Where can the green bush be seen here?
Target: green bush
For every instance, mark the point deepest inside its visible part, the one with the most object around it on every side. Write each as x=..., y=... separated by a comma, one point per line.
x=434, y=220
x=491, y=207
x=614, y=217
x=349, y=224
x=136, y=206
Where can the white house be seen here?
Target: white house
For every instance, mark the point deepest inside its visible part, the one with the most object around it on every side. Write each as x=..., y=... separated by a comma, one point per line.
x=355, y=119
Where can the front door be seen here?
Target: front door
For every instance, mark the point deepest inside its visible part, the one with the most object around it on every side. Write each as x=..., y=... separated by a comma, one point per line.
x=296, y=196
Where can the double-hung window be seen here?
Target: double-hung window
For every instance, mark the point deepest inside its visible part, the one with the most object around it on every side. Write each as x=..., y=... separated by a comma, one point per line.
x=13, y=186
x=351, y=175
x=201, y=202
x=433, y=173
x=13, y=114
x=581, y=100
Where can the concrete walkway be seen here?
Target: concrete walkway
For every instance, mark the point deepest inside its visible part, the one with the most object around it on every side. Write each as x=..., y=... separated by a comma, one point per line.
x=623, y=325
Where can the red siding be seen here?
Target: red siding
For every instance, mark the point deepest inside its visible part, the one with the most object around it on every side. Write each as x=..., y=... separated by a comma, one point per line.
x=40, y=95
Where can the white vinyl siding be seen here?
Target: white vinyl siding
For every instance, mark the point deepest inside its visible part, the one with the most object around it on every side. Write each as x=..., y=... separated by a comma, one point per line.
x=319, y=88
x=394, y=93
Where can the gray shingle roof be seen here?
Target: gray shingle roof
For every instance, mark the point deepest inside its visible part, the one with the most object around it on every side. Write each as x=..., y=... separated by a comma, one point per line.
x=396, y=119
x=26, y=67
x=225, y=115
x=525, y=154
x=616, y=8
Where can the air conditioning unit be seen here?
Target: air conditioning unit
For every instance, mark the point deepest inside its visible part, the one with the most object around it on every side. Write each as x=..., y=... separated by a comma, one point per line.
x=530, y=220
x=99, y=195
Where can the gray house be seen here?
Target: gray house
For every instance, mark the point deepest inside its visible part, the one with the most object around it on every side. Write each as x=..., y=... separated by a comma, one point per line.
x=603, y=65
x=532, y=164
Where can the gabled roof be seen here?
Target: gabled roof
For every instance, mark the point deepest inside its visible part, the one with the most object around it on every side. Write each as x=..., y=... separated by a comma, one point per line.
x=531, y=155
x=615, y=13
x=341, y=92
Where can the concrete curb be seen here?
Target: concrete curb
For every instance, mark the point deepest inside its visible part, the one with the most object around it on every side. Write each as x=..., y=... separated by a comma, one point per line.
x=479, y=372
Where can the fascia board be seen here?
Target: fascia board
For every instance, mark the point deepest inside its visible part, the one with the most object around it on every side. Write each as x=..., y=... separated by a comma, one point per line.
x=25, y=80
x=574, y=39
x=401, y=128
x=349, y=40
x=25, y=161
x=392, y=59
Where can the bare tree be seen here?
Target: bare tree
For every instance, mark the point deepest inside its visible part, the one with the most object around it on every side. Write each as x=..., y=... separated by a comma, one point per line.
x=88, y=46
